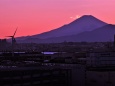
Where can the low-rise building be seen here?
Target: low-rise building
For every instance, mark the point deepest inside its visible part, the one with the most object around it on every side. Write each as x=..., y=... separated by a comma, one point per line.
x=100, y=59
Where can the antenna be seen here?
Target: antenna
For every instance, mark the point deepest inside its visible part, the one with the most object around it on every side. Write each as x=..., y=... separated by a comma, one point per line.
x=13, y=41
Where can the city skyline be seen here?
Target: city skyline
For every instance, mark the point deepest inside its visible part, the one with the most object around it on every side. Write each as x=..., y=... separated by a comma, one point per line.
x=37, y=16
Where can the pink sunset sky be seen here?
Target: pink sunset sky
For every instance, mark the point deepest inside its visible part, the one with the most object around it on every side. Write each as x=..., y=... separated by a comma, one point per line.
x=37, y=16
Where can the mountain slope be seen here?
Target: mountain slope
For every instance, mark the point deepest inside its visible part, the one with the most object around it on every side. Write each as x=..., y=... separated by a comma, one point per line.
x=80, y=25
x=103, y=34
x=84, y=23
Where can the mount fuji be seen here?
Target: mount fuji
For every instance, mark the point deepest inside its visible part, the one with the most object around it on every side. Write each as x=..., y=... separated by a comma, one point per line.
x=70, y=32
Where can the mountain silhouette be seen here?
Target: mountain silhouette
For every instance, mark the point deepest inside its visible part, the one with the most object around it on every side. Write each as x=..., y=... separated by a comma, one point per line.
x=84, y=23
x=102, y=34
x=74, y=31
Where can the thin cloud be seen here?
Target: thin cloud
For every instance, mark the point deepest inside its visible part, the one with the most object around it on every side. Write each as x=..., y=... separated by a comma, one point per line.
x=75, y=17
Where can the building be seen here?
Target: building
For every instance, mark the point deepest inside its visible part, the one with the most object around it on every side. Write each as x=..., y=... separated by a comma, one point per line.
x=101, y=59
x=34, y=76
